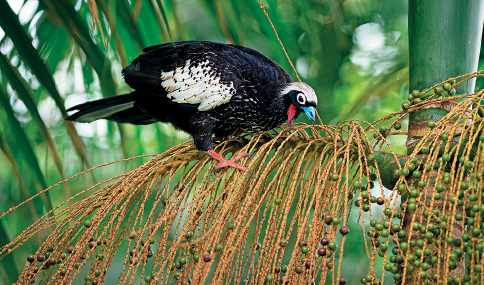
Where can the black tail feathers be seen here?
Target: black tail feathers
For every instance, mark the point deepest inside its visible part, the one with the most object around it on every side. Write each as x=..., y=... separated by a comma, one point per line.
x=121, y=109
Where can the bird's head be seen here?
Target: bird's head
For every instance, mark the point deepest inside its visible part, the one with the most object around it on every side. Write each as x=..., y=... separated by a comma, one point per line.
x=302, y=98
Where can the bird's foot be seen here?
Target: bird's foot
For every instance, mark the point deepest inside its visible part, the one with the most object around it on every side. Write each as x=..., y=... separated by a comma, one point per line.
x=224, y=162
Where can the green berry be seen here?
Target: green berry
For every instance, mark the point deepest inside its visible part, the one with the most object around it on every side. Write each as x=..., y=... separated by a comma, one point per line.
x=405, y=171
x=458, y=217
x=148, y=278
x=425, y=266
x=386, y=224
x=189, y=235
x=388, y=212
x=304, y=249
x=269, y=278
x=378, y=227
x=383, y=246
x=477, y=268
x=336, y=221
x=87, y=223
x=332, y=245
x=427, y=251
x=284, y=268
x=385, y=232
x=473, y=198
x=439, y=187
x=417, y=174
x=447, y=86
x=403, y=246
x=446, y=157
x=193, y=250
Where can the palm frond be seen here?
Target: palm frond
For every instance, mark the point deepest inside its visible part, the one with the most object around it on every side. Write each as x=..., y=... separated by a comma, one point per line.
x=23, y=43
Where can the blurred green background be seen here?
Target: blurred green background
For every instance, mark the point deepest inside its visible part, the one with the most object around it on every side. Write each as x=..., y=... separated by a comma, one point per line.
x=353, y=53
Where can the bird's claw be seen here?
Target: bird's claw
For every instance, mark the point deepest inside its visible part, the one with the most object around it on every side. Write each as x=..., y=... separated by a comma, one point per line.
x=230, y=163
x=240, y=155
x=225, y=163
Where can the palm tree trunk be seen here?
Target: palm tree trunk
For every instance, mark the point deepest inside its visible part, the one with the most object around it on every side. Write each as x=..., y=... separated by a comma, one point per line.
x=444, y=38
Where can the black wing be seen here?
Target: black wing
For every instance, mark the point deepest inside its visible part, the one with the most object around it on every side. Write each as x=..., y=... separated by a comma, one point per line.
x=201, y=74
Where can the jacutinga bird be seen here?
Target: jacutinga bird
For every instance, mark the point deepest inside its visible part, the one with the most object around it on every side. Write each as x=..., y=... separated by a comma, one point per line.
x=204, y=88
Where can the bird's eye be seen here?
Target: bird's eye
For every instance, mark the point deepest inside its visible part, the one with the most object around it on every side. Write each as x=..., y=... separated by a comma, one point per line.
x=301, y=99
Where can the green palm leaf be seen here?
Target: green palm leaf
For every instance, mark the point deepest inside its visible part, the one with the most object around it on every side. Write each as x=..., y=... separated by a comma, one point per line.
x=23, y=43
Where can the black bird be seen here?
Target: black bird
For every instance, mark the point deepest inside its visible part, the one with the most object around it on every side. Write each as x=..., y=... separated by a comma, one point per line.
x=204, y=88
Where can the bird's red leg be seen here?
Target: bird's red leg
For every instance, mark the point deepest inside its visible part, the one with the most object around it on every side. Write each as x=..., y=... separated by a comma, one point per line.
x=224, y=162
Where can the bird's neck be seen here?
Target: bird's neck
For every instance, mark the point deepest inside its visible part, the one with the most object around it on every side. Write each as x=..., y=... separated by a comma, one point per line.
x=281, y=103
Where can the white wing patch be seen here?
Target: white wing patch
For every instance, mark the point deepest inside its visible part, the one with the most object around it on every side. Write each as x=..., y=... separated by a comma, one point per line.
x=196, y=84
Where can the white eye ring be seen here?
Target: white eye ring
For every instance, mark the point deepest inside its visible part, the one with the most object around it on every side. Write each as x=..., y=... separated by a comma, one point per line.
x=301, y=99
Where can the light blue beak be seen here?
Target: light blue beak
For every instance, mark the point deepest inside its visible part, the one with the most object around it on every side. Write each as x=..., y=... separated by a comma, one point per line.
x=310, y=112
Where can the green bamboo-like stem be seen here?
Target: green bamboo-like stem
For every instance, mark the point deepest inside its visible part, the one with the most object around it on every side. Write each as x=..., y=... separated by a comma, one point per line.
x=444, y=39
